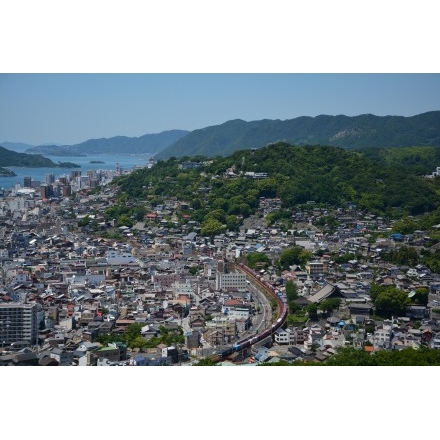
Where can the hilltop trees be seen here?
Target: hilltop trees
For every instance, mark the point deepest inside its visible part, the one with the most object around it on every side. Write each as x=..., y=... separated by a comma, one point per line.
x=295, y=175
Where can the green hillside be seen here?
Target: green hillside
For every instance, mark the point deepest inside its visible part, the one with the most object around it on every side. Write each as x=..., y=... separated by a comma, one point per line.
x=295, y=174
x=350, y=133
x=11, y=158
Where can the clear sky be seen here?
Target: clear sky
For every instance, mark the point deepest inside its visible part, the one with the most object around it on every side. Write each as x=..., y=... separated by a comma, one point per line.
x=73, y=71
x=71, y=108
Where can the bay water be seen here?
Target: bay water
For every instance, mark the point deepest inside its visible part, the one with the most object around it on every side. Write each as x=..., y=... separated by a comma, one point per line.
x=110, y=162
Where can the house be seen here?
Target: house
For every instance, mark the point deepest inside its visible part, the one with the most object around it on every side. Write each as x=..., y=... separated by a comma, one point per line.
x=192, y=339
x=435, y=342
x=262, y=354
x=282, y=336
x=328, y=291
x=25, y=358
x=296, y=352
x=382, y=337
x=48, y=361
x=298, y=336
x=63, y=357
x=197, y=322
x=417, y=312
x=359, y=309
x=314, y=337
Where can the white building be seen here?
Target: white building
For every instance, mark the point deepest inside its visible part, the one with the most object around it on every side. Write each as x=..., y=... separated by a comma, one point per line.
x=382, y=337
x=282, y=336
x=230, y=281
x=117, y=257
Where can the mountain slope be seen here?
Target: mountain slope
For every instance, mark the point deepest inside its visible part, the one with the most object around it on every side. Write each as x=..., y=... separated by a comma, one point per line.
x=146, y=144
x=348, y=132
x=10, y=158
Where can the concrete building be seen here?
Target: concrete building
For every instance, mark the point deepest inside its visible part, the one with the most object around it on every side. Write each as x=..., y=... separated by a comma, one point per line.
x=18, y=322
x=230, y=281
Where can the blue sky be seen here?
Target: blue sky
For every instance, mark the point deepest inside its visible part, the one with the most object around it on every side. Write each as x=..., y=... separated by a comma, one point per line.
x=76, y=70
x=71, y=108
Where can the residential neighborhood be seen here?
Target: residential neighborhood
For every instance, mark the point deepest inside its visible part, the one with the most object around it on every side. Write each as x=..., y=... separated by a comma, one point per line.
x=62, y=287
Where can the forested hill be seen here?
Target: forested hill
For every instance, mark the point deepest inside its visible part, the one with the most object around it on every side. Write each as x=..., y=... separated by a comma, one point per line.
x=294, y=174
x=11, y=158
x=348, y=132
x=146, y=144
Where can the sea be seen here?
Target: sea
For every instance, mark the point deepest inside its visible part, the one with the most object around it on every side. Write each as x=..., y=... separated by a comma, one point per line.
x=110, y=162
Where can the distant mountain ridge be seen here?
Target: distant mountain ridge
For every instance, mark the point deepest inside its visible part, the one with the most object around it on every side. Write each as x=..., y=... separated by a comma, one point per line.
x=146, y=144
x=348, y=132
x=18, y=147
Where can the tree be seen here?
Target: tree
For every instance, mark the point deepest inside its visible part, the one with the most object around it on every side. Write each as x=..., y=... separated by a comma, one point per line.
x=212, y=227
x=84, y=221
x=124, y=220
x=193, y=270
x=391, y=302
x=257, y=257
x=405, y=225
x=291, y=290
x=421, y=296
x=216, y=214
x=207, y=362
x=375, y=289
x=350, y=356
x=312, y=310
x=292, y=295
x=329, y=304
x=232, y=223
x=294, y=255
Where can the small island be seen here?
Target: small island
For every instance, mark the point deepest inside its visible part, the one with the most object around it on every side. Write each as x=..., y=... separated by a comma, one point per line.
x=68, y=165
x=4, y=172
x=96, y=161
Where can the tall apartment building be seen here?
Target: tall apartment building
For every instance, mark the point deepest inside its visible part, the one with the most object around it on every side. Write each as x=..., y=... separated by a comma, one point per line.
x=18, y=322
x=49, y=178
x=27, y=182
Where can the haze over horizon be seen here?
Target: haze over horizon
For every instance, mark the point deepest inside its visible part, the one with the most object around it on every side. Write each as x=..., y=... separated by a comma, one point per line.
x=66, y=109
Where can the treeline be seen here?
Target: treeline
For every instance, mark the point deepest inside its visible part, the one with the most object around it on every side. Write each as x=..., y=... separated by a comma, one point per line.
x=352, y=357
x=419, y=160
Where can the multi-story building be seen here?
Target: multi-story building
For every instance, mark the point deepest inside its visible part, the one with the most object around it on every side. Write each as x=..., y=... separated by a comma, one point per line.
x=382, y=337
x=18, y=322
x=27, y=182
x=49, y=178
x=282, y=336
x=317, y=267
x=230, y=281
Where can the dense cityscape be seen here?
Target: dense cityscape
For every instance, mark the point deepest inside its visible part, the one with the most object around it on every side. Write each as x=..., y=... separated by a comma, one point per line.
x=71, y=297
